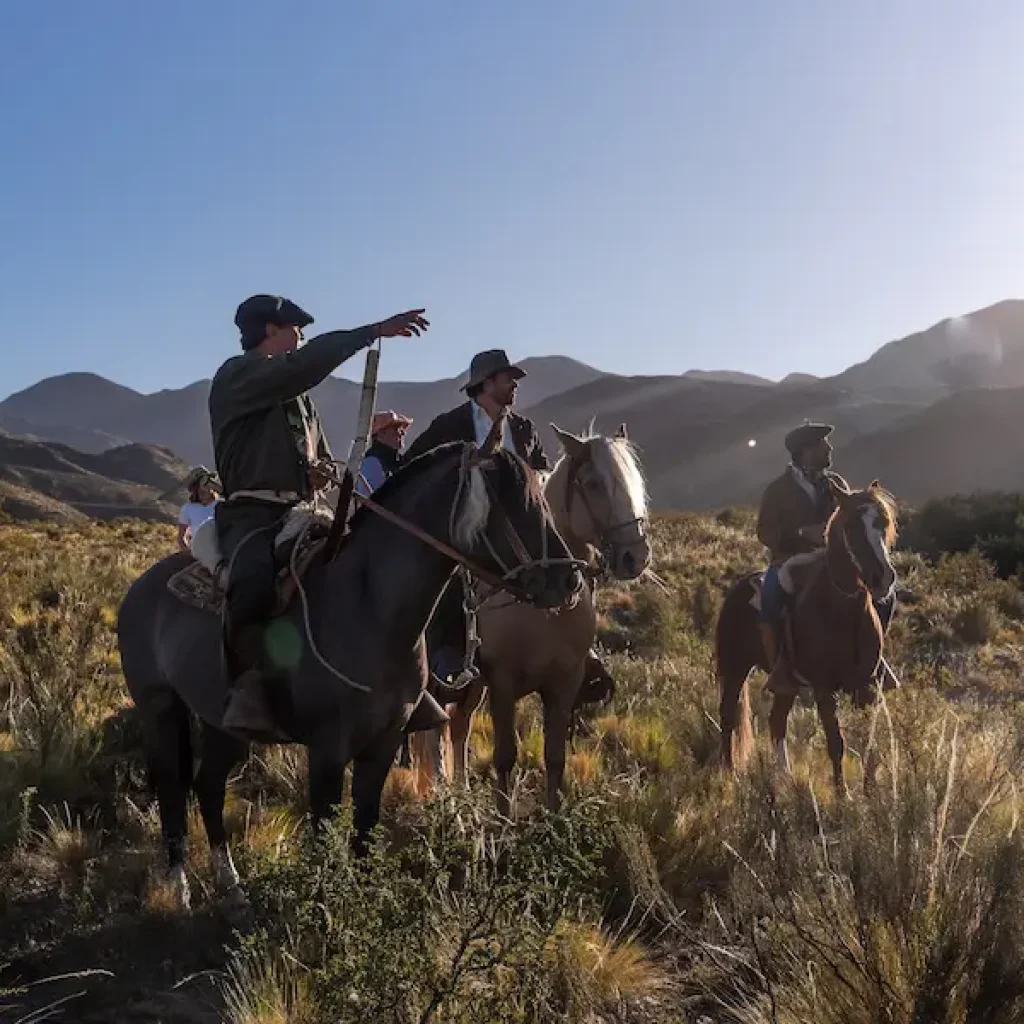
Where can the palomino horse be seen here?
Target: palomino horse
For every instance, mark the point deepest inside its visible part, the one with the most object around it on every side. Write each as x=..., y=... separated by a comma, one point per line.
x=598, y=502
x=357, y=666
x=834, y=640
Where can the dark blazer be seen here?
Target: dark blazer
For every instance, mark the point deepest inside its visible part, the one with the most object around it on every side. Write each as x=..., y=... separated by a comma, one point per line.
x=457, y=425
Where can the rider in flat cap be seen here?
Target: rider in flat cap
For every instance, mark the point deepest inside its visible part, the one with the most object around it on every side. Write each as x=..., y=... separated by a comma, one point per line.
x=268, y=440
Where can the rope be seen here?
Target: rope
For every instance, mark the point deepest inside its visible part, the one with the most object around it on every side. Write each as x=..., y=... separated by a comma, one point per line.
x=292, y=568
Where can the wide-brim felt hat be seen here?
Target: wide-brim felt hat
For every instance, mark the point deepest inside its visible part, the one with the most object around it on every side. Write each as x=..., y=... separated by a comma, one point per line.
x=488, y=364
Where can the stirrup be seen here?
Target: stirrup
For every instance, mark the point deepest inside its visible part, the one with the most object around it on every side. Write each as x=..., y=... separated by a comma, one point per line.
x=458, y=686
x=427, y=714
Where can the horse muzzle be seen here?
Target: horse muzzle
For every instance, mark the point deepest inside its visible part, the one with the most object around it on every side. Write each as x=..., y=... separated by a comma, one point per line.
x=551, y=586
x=881, y=584
x=628, y=561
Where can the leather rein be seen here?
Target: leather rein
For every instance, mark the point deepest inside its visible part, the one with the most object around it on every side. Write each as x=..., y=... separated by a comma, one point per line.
x=506, y=582
x=861, y=587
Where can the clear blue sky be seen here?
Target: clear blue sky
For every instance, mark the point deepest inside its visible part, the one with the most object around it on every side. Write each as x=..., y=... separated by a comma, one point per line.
x=648, y=186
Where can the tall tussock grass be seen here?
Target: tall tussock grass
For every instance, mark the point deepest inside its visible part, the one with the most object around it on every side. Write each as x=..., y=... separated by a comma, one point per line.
x=906, y=905
x=665, y=891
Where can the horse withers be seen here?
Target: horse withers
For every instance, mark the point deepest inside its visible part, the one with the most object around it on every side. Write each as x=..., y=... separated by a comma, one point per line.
x=353, y=653
x=598, y=502
x=834, y=638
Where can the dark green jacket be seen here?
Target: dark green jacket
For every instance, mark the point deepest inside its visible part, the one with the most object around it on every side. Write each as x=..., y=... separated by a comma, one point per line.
x=259, y=409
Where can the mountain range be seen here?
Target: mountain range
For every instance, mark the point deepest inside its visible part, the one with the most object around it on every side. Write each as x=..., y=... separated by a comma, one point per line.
x=937, y=412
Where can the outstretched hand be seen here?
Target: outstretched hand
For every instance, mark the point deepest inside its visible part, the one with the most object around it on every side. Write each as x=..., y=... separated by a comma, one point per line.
x=404, y=325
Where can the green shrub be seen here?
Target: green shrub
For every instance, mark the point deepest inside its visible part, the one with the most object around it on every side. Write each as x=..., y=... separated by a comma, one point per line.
x=457, y=924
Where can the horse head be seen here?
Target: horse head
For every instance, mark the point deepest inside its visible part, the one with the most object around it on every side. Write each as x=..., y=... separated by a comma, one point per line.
x=605, y=500
x=501, y=521
x=865, y=523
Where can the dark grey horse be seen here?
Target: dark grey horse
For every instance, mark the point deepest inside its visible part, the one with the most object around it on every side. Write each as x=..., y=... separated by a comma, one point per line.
x=367, y=612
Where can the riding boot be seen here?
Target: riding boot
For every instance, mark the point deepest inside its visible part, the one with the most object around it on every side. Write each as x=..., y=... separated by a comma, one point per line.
x=248, y=713
x=780, y=680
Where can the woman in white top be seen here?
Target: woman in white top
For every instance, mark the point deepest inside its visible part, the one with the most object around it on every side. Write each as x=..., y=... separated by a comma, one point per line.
x=203, y=495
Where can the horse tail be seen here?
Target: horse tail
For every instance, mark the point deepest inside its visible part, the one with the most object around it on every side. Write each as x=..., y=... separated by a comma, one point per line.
x=732, y=668
x=743, y=737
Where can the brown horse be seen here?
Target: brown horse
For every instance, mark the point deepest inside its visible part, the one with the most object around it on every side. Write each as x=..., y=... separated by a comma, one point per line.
x=598, y=503
x=833, y=637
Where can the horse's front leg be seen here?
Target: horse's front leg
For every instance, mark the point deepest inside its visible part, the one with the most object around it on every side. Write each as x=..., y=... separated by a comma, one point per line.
x=461, y=726
x=778, y=719
x=506, y=746
x=220, y=754
x=828, y=713
x=328, y=756
x=558, y=707
x=368, y=776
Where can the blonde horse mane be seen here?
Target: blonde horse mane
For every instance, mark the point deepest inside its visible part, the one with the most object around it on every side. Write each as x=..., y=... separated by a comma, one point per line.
x=884, y=501
x=616, y=461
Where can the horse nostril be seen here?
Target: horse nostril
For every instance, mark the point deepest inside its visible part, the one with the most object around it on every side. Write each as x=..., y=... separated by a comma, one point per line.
x=629, y=562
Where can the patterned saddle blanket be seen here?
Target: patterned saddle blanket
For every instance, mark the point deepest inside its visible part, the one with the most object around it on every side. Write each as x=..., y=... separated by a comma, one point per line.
x=198, y=586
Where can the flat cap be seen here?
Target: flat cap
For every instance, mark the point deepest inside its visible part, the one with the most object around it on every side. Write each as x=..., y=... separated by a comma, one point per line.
x=805, y=435
x=253, y=315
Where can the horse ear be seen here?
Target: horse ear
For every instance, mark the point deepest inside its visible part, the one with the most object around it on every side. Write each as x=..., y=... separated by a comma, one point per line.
x=572, y=445
x=621, y=432
x=874, y=485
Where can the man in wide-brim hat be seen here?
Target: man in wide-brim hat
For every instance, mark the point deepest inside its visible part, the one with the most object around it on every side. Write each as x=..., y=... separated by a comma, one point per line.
x=491, y=390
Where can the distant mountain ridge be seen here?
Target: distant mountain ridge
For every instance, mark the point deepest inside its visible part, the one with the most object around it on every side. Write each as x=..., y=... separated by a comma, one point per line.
x=898, y=415
x=47, y=480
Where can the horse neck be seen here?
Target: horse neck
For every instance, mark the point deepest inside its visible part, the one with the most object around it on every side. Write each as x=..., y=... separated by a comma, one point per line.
x=558, y=492
x=401, y=576
x=842, y=570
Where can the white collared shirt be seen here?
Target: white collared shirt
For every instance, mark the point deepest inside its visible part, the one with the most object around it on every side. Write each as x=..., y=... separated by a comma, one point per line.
x=482, y=424
x=806, y=486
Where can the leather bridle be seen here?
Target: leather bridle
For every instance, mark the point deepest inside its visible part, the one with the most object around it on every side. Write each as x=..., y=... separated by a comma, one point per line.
x=508, y=581
x=605, y=530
